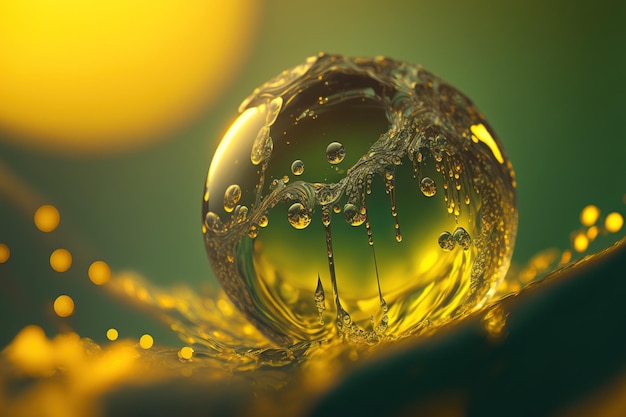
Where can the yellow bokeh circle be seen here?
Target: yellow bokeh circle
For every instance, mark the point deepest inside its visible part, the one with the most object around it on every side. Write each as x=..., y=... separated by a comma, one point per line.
x=61, y=260
x=64, y=306
x=47, y=218
x=107, y=75
x=99, y=272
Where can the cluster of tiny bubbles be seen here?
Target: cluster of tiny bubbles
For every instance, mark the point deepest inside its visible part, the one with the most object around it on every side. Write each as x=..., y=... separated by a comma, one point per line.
x=405, y=214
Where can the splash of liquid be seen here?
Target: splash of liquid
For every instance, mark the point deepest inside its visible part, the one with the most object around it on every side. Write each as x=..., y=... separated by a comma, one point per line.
x=427, y=193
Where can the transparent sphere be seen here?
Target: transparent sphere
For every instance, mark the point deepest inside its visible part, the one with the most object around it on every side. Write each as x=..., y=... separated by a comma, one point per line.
x=365, y=197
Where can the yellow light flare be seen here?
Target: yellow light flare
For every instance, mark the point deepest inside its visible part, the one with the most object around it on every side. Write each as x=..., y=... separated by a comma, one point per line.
x=5, y=253
x=592, y=233
x=87, y=77
x=613, y=222
x=61, y=260
x=581, y=242
x=480, y=133
x=47, y=218
x=146, y=341
x=64, y=306
x=99, y=272
x=589, y=215
x=112, y=334
x=186, y=353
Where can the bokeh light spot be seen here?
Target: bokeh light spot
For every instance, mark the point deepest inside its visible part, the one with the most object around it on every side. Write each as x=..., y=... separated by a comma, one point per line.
x=61, y=260
x=112, y=334
x=613, y=222
x=146, y=341
x=64, y=306
x=581, y=242
x=47, y=218
x=87, y=77
x=99, y=272
x=5, y=253
x=589, y=215
x=186, y=353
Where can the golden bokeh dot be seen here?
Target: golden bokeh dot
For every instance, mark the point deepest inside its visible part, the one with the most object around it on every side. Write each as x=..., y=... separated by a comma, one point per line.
x=614, y=222
x=112, y=334
x=146, y=341
x=61, y=260
x=90, y=77
x=99, y=272
x=589, y=215
x=186, y=353
x=47, y=218
x=592, y=233
x=581, y=242
x=5, y=253
x=64, y=306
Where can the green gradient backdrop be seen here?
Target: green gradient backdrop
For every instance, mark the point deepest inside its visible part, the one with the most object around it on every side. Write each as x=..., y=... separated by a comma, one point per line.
x=549, y=77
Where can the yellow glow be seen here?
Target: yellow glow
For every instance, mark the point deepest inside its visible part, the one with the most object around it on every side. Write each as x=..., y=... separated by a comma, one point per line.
x=613, y=222
x=589, y=215
x=87, y=76
x=99, y=272
x=592, y=233
x=47, y=218
x=566, y=256
x=581, y=242
x=480, y=133
x=146, y=341
x=186, y=353
x=5, y=253
x=112, y=334
x=64, y=306
x=61, y=260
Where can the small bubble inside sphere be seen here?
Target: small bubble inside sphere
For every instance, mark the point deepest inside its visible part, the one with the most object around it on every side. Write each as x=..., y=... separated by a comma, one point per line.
x=405, y=215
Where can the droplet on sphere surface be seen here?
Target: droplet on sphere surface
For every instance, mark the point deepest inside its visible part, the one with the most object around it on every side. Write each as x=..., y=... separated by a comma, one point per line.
x=335, y=153
x=231, y=197
x=446, y=241
x=428, y=187
x=462, y=238
x=297, y=167
x=422, y=160
x=298, y=216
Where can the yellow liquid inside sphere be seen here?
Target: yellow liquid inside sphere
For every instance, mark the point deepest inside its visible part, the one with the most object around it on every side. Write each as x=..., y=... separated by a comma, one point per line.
x=360, y=196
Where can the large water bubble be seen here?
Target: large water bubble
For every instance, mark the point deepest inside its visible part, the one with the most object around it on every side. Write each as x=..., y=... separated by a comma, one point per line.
x=405, y=215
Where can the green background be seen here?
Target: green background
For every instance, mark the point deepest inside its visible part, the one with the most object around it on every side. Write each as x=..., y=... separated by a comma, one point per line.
x=549, y=77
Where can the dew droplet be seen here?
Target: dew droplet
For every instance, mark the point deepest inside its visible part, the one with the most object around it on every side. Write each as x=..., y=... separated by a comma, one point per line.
x=262, y=146
x=240, y=213
x=263, y=221
x=297, y=167
x=446, y=241
x=428, y=186
x=298, y=216
x=462, y=238
x=353, y=215
x=335, y=153
x=231, y=197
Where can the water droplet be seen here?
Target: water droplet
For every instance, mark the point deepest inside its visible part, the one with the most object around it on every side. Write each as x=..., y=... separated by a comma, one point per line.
x=446, y=241
x=335, y=153
x=298, y=216
x=231, y=197
x=462, y=238
x=263, y=221
x=262, y=146
x=428, y=187
x=353, y=215
x=401, y=134
x=297, y=167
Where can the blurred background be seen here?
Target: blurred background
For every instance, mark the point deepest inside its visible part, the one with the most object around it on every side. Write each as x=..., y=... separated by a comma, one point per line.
x=111, y=110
